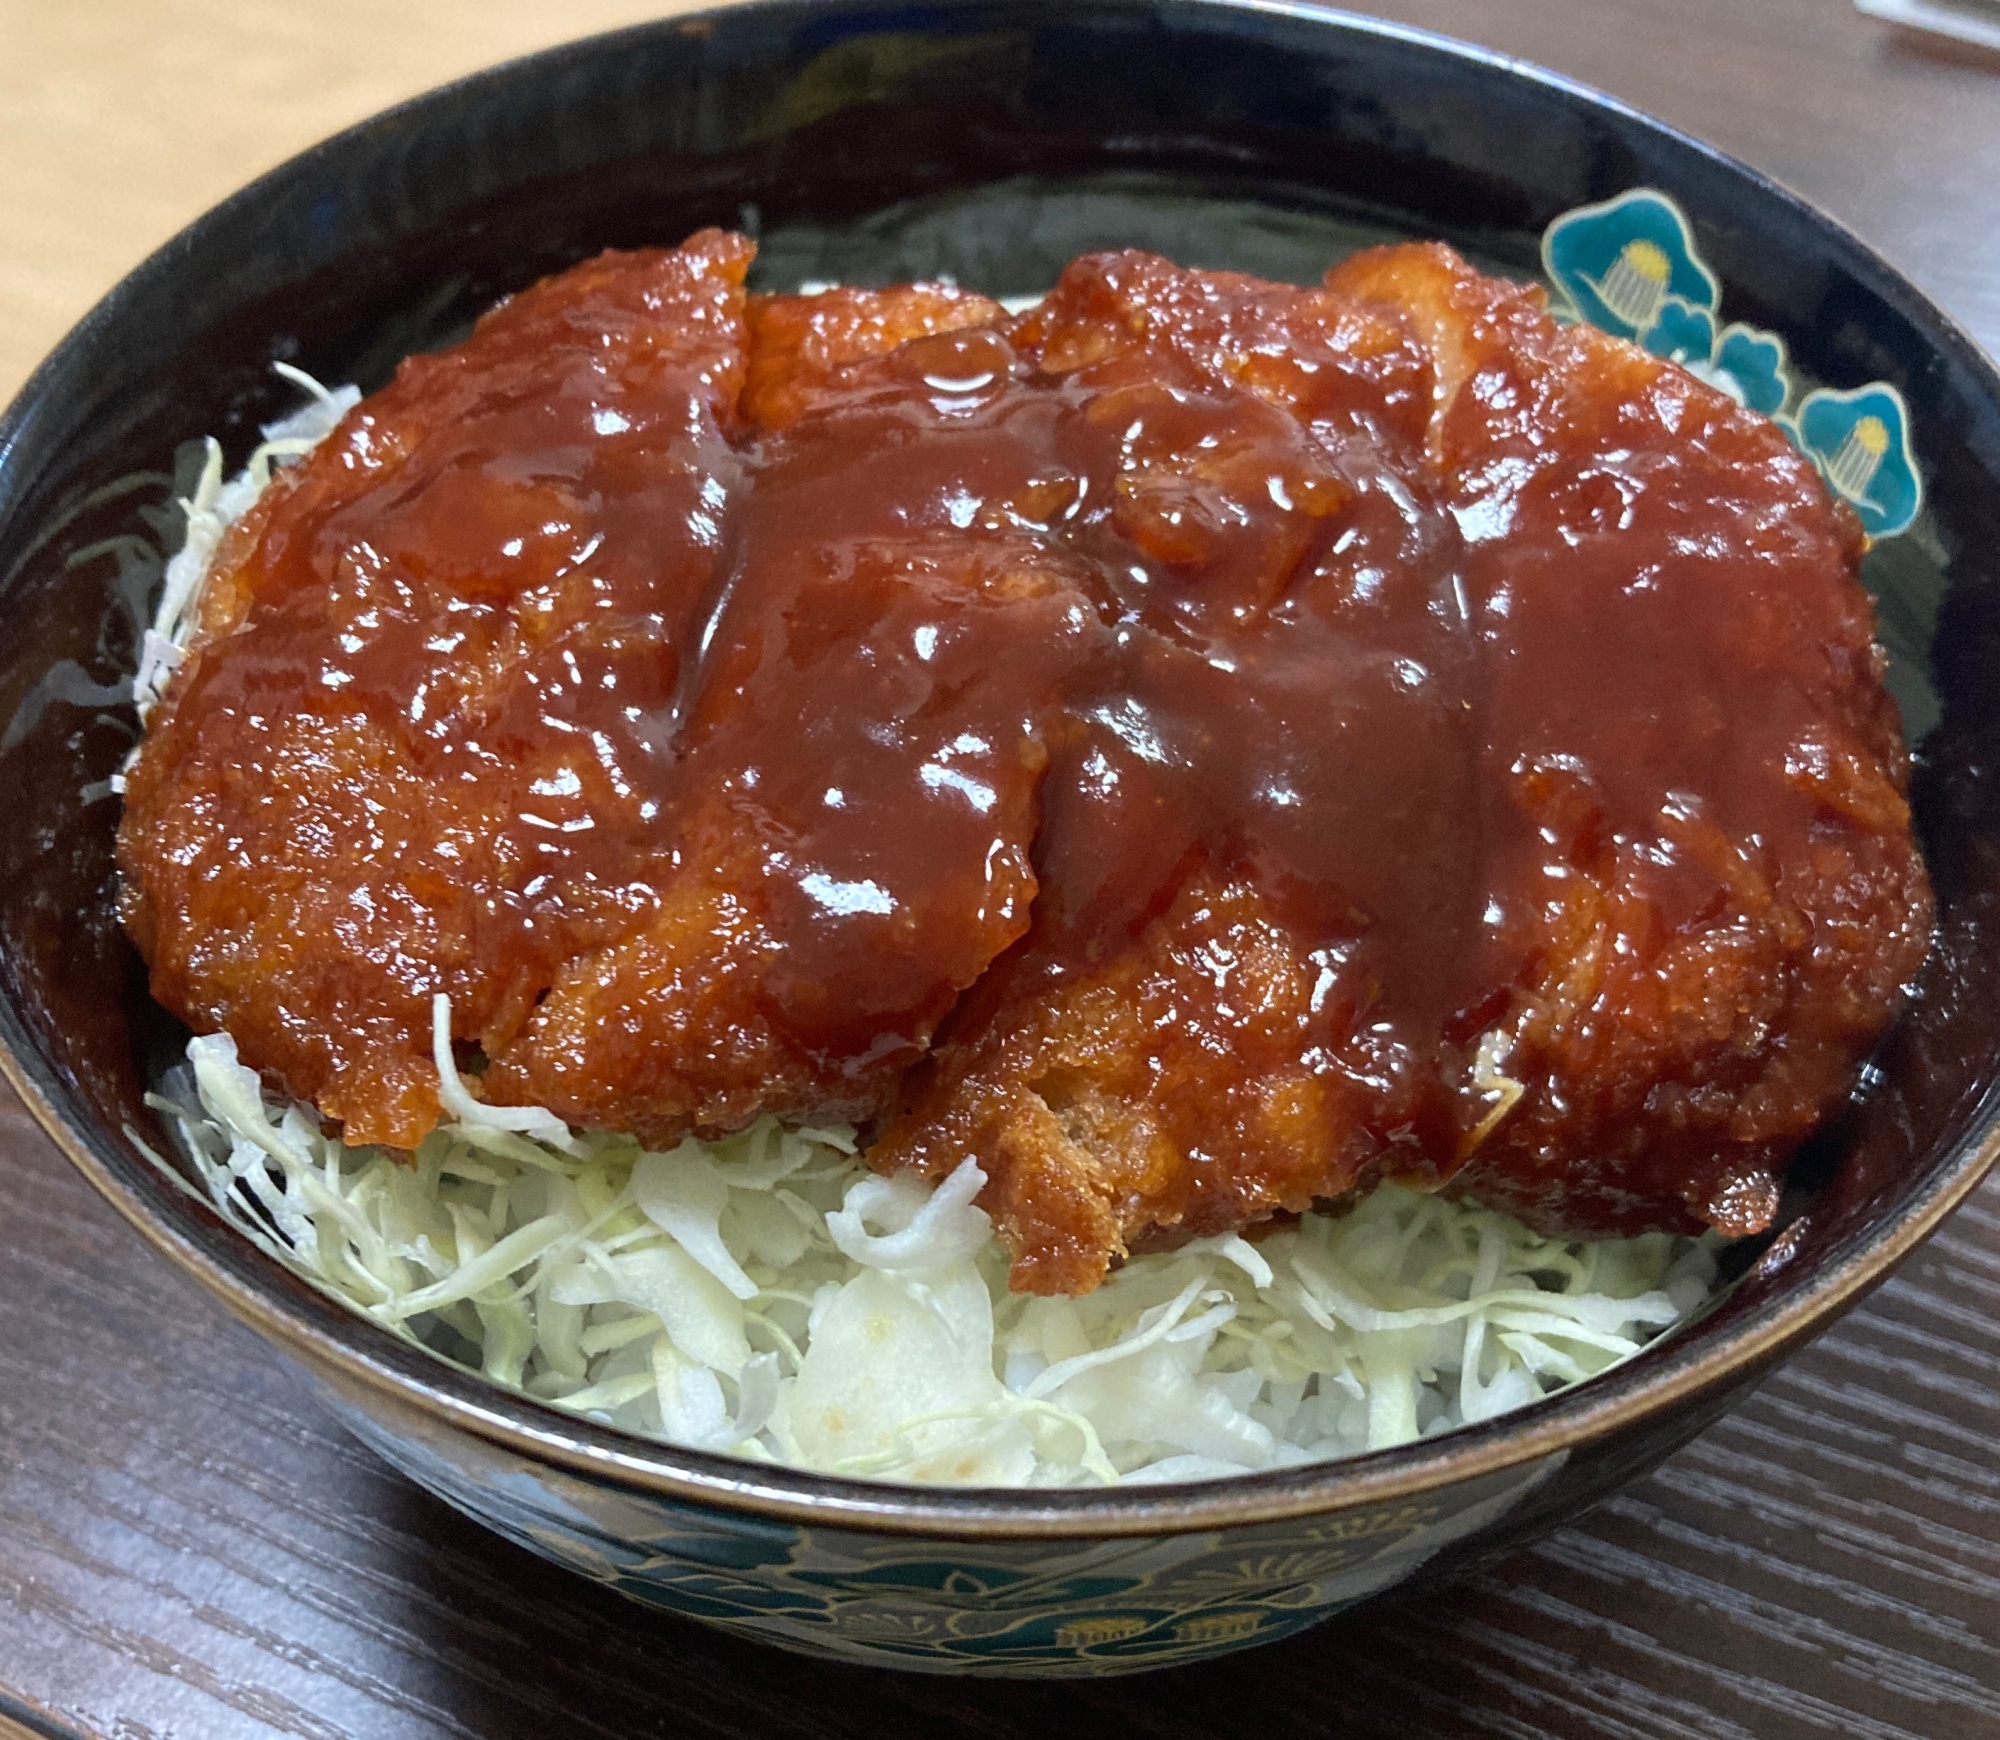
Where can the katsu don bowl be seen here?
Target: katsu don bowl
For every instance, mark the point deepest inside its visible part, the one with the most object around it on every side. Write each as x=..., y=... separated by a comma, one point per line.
x=994, y=151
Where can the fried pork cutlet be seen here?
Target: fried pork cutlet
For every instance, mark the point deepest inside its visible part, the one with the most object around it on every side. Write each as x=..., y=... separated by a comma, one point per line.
x=436, y=734
x=1707, y=896
x=1670, y=895
x=1198, y=748
x=424, y=665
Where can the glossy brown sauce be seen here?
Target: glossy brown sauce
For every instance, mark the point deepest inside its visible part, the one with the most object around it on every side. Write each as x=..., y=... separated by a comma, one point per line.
x=1157, y=646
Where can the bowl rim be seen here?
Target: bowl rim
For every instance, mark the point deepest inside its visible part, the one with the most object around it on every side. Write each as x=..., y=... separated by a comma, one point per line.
x=315, y=1330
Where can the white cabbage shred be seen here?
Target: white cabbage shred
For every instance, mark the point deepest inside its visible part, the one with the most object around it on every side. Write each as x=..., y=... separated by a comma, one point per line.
x=770, y=1296
x=213, y=508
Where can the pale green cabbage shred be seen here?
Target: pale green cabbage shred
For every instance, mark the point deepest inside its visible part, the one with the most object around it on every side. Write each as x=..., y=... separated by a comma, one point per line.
x=769, y=1296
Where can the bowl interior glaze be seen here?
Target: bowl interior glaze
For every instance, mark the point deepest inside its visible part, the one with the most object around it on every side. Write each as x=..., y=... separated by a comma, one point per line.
x=992, y=139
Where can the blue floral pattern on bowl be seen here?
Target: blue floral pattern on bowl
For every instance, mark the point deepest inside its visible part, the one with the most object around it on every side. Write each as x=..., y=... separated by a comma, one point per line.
x=1630, y=267
x=1861, y=441
x=1077, y=1609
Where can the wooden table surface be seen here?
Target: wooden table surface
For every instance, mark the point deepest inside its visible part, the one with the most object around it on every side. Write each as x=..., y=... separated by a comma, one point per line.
x=189, y=1549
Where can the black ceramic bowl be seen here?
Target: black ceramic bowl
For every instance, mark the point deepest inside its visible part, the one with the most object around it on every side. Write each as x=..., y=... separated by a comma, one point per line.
x=1255, y=135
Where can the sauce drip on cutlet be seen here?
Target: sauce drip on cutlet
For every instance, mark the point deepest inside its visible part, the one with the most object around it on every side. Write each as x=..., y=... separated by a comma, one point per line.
x=1145, y=744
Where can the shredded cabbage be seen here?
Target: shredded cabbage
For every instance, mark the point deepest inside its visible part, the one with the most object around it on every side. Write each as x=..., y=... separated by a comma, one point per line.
x=770, y=1296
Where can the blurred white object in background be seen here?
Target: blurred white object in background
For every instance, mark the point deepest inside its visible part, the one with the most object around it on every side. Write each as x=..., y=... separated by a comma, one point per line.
x=1974, y=21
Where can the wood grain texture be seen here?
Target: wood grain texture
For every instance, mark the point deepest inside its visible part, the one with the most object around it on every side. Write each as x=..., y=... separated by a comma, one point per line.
x=189, y=1550
x=122, y=120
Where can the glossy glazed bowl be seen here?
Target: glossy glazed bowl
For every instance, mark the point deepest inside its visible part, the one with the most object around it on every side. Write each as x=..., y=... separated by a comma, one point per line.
x=992, y=138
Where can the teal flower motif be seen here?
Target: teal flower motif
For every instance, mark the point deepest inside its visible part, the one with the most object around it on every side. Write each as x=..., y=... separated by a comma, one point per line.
x=1682, y=333
x=1744, y=362
x=1755, y=361
x=1619, y=262
x=1861, y=442
x=1629, y=266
